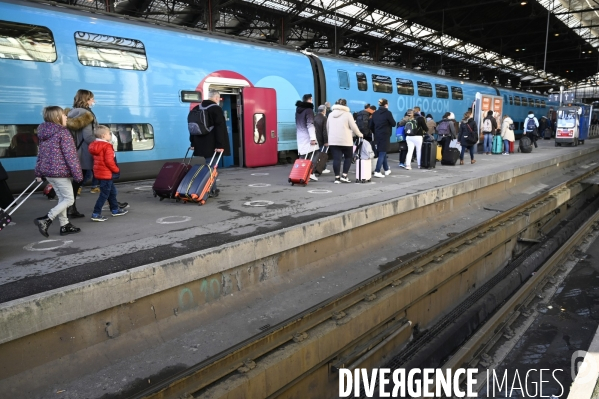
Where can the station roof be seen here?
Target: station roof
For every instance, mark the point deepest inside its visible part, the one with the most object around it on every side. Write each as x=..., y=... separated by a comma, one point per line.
x=532, y=44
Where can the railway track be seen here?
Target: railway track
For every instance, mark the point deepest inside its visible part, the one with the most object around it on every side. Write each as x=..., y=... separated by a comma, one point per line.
x=357, y=328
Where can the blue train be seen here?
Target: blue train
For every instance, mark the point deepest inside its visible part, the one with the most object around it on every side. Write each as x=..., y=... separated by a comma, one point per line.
x=146, y=77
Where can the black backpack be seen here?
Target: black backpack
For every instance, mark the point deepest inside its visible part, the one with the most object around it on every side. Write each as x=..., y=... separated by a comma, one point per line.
x=198, y=122
x=470, y=136
x=362, y=121
x=410, y=128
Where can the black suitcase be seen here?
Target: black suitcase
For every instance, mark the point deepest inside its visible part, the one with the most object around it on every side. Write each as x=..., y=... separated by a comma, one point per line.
x=5, y=215
x=547, y=134
x=450, y=157
x=525, y=145
x=321, y=162
x=428, y=158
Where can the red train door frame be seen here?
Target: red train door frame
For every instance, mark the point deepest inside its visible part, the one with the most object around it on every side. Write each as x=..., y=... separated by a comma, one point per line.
x=259, y=119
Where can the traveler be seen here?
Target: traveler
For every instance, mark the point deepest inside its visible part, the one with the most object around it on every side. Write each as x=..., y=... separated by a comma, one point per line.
x=363, y=122
x=489, y=129
x=57, y=161
x=328, y=105
x=544, y=126
x=403, y=145
x=468, y=136
x=382, y=124
x=341, y=127
x=320, y=127
x=531, y=127
x=304, y=125
x=217, y=139
x=82, y=123
x=105, y=168
x=446, y=131
x=431, y=125
x=414, y=129
x=507, y=134
x=6, y=197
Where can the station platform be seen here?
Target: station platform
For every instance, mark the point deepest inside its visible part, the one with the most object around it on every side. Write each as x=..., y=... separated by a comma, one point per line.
x=251, y=202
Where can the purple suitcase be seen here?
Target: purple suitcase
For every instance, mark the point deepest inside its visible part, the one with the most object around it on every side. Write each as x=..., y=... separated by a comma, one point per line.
x=170, y=176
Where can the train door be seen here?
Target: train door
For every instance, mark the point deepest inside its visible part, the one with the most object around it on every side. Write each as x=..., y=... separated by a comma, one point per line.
x=259, y=123
x=482, y=105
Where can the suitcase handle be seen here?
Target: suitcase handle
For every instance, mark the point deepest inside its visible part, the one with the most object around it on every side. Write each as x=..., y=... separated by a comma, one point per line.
x=25, y=199
x=220, y=154
x=323, y=149
x=185, y=158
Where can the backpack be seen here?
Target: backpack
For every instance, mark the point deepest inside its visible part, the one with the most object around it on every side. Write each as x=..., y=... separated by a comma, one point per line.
x=400, y=133
x=487, y=126
x=530, y=125
x=470, y=137
x=410, y=128
x=362, y=122
x=443, y=128
x=198, y=123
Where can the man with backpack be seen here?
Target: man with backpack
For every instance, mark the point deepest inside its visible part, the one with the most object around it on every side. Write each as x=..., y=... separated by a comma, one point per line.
x=489, y=129
x=446, y=131
x=208, y=130
x=531, y=127
x=362, y=120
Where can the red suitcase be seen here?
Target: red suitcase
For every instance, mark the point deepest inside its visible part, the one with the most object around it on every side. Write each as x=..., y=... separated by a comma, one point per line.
x=301, y=171
x=511, y=147
x=170, y=176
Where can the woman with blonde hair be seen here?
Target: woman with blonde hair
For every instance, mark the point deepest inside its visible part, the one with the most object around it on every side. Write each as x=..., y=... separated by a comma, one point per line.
x=507, y=134
x=340, y=127
x=57, y=161
x=82, y=123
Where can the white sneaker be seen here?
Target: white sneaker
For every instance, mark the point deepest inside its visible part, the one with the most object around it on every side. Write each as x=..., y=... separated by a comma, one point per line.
x=408, y=168
x=325, y=171
x=387, y=172
x=378, y=174
x=312, y=177
x=344, y=179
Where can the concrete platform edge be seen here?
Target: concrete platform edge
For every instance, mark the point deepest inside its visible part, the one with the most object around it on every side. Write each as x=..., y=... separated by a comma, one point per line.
x=28, y=315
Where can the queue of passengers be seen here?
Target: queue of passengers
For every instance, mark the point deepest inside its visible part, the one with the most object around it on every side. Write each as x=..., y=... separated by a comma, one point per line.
x=335, y=127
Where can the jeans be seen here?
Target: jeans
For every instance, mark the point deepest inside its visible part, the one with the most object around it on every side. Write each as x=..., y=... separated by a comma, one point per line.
x=107, y=192
x=471, y=149
x=488, y=143
x=382, y=161
x=506, y=146
x=414, y=142
x=90, y=175
x=64, y=190
x=345, y=152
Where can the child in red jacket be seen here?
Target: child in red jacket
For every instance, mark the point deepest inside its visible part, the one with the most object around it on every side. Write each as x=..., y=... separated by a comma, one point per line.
x=104, y=168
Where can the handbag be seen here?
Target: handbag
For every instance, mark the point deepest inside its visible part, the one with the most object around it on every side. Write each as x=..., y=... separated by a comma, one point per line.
x=455, y=144
x=400, y=133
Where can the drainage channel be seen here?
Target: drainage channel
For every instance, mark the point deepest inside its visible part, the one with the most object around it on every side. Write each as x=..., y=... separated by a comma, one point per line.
x=360, y=326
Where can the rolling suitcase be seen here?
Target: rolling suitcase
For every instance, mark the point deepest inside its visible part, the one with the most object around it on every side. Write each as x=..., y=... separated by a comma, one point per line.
x=497, y=145
x=5, y=215
x=428, y=159
x=363, y=171
x=197, y=184
x=450, y=157
x=511, y=147
x=525, y=145
x=547, y=134
x=170, y=176
x=439, y=152
x=321, y=162
x=301, y=171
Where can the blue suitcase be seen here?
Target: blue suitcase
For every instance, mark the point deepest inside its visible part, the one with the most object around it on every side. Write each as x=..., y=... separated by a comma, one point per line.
x=197, y=184
x=497, y=144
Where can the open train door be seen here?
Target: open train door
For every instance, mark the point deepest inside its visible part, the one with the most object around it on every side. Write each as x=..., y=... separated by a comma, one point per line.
x=259, y=126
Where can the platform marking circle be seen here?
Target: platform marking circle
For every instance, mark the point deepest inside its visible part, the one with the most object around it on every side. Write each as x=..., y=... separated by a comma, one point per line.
x=259, y=185
x=258, y=203
x=260, y=174
x=182, y=219
x=143, y=188
x=30, y=247
x=319, y=191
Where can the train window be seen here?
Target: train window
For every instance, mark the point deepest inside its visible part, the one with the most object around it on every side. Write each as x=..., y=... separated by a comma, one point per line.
x=18, y=141
x=543, y=104
x=456, y=93
x=537, y=103
x=132, y=136
x=343, y=79
x=188, y=96
x=259, y=128
x=405, y=86
x=531, y=102
x=362, y=81
x=110, y=52
x=516, y=100
x=425, y=89
x=442, y=91
x=511, y=100
x=382, y=84
x=26, y=42
x=524, y=102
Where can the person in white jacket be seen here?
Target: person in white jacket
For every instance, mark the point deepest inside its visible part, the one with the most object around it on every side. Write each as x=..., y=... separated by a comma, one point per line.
x=507, y=134
x=341, y=128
